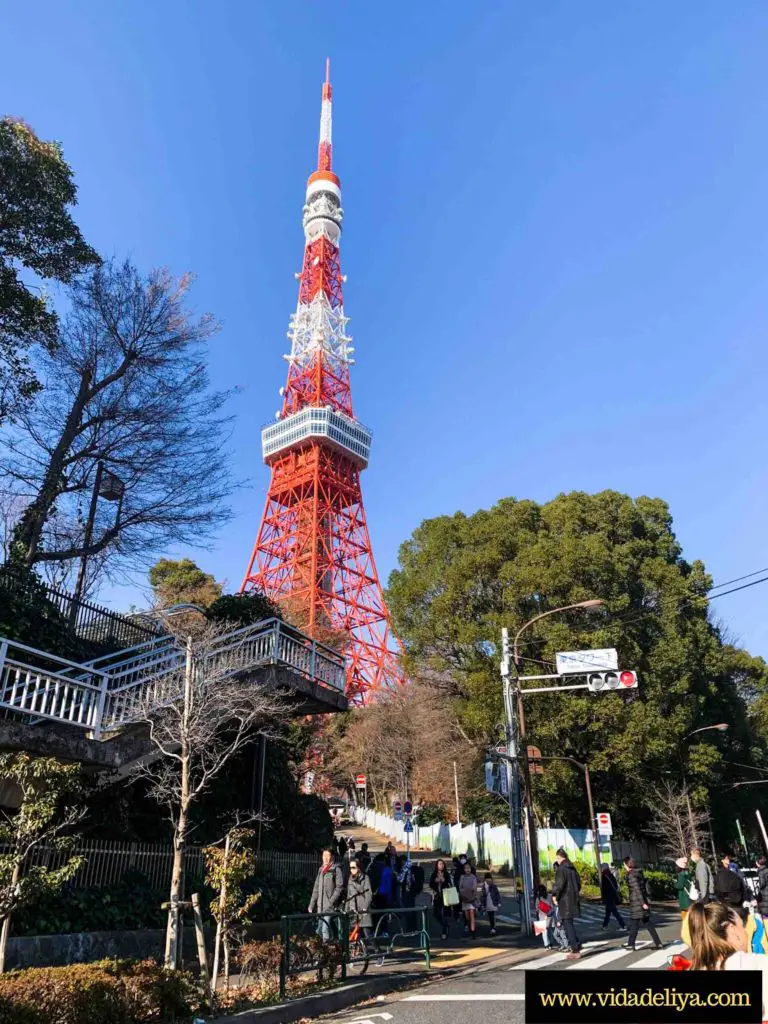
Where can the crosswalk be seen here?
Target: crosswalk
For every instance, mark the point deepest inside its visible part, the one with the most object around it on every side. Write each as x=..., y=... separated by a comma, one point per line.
x=601, y=955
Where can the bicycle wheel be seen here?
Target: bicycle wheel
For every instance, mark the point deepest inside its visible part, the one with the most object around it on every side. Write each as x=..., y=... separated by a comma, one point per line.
x=359, y=957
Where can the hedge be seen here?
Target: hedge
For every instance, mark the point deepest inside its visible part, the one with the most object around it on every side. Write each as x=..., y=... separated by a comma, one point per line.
x=109, y=992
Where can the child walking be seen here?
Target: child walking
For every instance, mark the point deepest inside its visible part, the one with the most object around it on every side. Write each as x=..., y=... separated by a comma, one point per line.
x=546, y=911
x=491, y=900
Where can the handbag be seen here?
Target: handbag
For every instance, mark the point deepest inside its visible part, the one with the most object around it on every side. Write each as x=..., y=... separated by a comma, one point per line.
x=693, y=892
x=450, y=896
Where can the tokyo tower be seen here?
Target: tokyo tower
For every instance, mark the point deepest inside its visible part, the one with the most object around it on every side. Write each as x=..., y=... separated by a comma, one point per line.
x=313, y=545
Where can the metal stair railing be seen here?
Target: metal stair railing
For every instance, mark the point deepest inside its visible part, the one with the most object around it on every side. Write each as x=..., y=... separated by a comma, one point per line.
x=113, y=691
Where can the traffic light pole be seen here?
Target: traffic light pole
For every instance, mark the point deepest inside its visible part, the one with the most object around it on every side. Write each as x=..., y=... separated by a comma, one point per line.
x=510, y=690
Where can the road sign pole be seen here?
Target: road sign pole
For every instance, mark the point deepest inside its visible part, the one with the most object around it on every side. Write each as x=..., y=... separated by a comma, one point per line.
x=593, y=819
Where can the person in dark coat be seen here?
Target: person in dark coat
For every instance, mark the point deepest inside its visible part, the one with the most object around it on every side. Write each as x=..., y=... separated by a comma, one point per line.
x=762, y=885
x=565, y=893
x=327, y=893
x=729, y=887
x=439, y=880
x=609, y=891
x=639, y=906
x=358, y=898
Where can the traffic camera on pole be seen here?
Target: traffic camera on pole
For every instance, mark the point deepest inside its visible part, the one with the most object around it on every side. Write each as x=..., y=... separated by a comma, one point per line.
x=599, y=682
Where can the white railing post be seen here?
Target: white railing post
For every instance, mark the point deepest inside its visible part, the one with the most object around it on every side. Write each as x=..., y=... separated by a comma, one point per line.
x=275, y=641
x=3, y=656
x=100, y=705
x=312, y=660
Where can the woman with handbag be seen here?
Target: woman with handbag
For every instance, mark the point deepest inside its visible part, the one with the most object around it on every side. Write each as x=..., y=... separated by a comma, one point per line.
x=444, y=895
x=683, y=886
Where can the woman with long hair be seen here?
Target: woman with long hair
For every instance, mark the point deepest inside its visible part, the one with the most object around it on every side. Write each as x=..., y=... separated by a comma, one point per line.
x=719, y=942
x=440, y=880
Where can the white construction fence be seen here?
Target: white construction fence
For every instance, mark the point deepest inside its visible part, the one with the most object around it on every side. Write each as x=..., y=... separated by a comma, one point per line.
x=491, y=844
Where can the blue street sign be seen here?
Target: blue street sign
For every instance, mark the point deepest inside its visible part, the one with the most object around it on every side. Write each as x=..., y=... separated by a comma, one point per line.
x=407, y=807
x=407, y=827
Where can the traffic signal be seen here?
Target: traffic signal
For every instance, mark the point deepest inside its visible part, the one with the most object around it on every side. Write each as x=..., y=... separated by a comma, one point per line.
x=600, y=681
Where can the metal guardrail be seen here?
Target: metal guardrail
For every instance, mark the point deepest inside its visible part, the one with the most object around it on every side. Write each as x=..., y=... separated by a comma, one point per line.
x=110, y=692
x=326, y=942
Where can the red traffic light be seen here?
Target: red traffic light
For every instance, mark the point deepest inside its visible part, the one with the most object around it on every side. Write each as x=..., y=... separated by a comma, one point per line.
x=628, y=679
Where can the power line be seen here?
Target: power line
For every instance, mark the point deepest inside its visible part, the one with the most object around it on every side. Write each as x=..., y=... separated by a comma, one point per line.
x=727, y=583
x=743, y=586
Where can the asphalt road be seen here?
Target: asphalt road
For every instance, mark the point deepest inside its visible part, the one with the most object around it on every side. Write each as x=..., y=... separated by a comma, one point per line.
x=493, y=993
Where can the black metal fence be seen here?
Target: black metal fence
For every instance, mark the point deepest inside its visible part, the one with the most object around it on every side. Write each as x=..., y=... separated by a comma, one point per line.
x=93, y=629
x=330, y=942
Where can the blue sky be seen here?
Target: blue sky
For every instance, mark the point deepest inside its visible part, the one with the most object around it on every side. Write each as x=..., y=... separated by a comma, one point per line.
x=556, y=235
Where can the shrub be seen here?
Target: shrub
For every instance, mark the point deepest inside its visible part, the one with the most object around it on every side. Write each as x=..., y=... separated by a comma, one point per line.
x=590, y=891
x=131, y=903
x=587, y=873
x=109, y=992
x=431, y=814
x=661, y=885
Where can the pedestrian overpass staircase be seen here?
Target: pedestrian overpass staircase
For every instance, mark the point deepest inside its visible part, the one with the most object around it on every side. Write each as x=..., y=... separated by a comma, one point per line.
x=105, y=695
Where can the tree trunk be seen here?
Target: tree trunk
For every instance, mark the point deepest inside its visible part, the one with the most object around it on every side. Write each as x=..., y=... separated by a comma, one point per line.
x=36, y=514
x=180, y=835
x=6, y=928
x=220, y=923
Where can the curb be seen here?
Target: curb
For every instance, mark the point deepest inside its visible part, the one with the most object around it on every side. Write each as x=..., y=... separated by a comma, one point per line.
x=324, y=1002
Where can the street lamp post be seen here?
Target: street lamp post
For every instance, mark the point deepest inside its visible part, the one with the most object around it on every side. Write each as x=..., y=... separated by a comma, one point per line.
x=720, y=727
x=110, y=487
x=513, y=785
x=595, y=602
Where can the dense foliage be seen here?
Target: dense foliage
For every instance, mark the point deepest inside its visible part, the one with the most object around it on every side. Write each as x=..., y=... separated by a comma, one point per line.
x=109, y=992
x=177, y=581
x=461, y=578
x=37, y=234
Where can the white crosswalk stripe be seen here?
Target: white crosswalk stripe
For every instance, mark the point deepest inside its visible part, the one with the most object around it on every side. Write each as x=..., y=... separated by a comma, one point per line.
x=536, y=964
x=594, y=963
x=658, y=958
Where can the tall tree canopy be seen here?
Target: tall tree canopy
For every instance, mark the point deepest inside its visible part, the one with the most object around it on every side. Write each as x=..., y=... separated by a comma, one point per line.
x=37, y=234
x=177, y=581
x=127, y=385
x=461, y=578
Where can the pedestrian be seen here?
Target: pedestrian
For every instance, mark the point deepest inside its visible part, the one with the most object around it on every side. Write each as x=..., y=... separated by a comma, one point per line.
x=458, y=872
x=762, y=885
x=365, y=857
x=406, y=897
x=327, y=893
x=490, y=900
x=719, y=942
x=374, y=873
x=358, y=898
x=545, y=915
x=565, y=893
x=342, y=847
x=440, y=880
x=639, y=906
x=704, y=888
x=683, y=886
x=609, y=891
x=468, y=895
x=729, y=888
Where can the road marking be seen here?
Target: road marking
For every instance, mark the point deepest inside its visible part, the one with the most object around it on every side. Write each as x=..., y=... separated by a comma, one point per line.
x=593, y=963
x=513, y=997
x=554, y=958
x=659, y=956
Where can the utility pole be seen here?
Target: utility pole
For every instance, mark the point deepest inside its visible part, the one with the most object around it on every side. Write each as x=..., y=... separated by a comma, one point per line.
x=513, y=782
x=456, y=791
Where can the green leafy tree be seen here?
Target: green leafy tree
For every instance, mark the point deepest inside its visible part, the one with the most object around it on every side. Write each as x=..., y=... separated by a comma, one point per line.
x=37, y=234
x=228, y=867
x=177, y=581
x=244, y=609
x=48, y=812
x=461, y=578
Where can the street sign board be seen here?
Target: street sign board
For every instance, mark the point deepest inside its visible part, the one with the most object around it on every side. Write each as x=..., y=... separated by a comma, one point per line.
x=580, y=662
x=360, y=781
x=604, y=826
x=534, y=761
x=397, y=807
x=407, y=807
x=408, y=826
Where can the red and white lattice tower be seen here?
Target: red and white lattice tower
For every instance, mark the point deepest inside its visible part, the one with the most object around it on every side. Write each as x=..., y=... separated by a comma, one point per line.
x=313, y=544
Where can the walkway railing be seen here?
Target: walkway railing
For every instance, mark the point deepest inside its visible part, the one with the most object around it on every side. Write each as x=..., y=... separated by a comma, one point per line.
x=111, y=692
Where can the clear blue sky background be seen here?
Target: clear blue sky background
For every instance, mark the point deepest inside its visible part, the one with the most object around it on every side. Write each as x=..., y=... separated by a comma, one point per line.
x=556, y=234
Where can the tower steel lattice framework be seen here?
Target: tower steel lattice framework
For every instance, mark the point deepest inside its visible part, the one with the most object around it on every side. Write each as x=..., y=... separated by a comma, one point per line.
x=313, y=544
